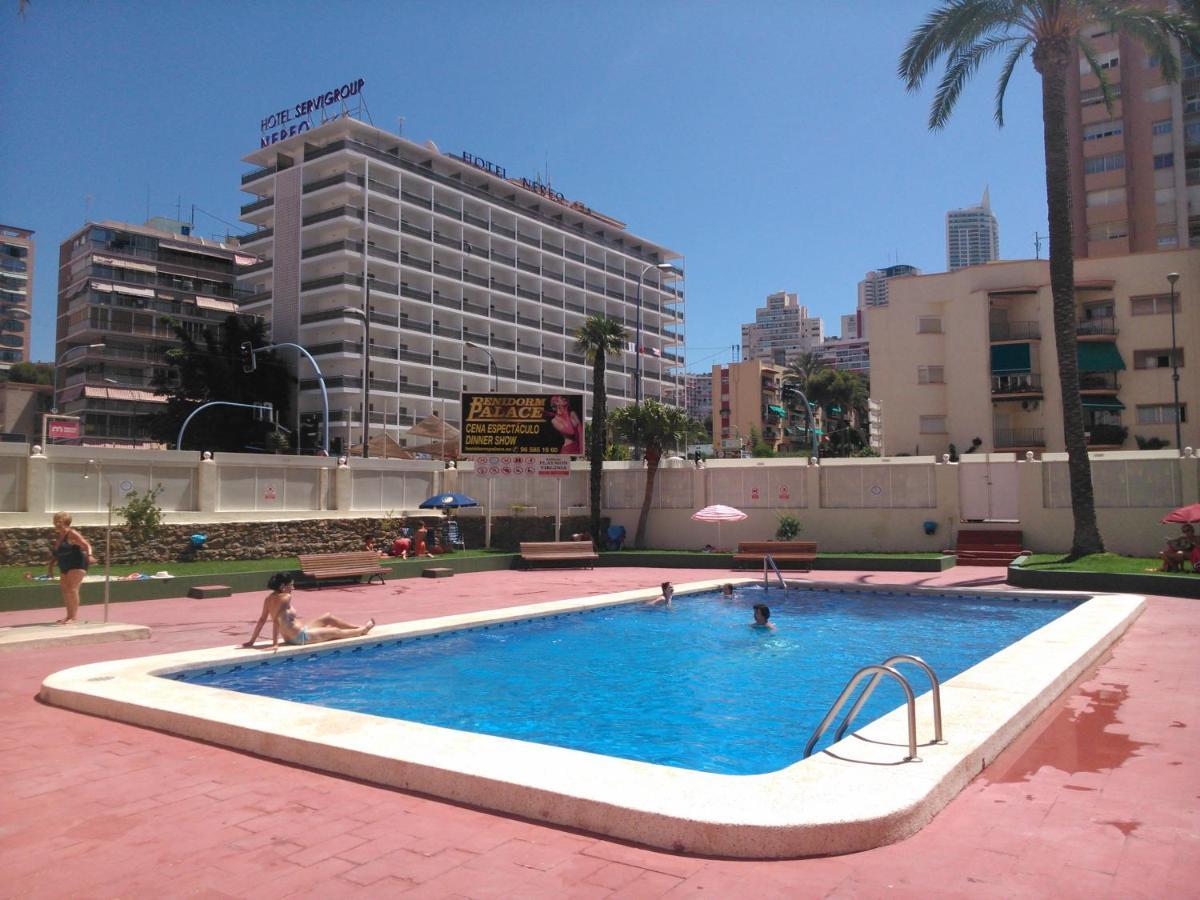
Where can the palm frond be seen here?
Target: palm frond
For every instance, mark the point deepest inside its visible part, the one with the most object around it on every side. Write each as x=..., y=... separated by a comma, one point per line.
x=1010, y=63
x=954, y=24
x=1152, y=28
x=959, y=69
x=1106, y=88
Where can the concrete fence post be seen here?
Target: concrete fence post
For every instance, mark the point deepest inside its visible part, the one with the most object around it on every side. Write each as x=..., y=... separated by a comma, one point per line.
x=208, y=483
x=37, y=484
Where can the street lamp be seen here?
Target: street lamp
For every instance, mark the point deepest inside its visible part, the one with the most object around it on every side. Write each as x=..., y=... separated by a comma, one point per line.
x=495, y=368
x=665, y=268
x=66, y=353
x=1174, y=277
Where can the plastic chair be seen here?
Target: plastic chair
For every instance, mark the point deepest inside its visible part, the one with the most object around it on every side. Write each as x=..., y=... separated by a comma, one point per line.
x=453, y=538
x=616, y=537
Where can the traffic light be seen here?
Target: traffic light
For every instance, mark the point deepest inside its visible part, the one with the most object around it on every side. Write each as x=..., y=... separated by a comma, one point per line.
x=247, y=352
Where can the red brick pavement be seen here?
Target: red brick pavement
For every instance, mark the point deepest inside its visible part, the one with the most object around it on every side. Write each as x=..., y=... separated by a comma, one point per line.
x=1099, y=798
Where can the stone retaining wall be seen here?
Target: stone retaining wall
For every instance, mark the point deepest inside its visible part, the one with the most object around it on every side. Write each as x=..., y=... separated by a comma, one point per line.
x=268, y=540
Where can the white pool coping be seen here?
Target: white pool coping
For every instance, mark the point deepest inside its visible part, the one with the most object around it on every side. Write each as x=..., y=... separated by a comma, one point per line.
x=853, y=796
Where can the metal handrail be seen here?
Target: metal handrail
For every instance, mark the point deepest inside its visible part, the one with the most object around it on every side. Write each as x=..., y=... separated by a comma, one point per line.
x=865, y=695
x=849, y=689
x=769, y=561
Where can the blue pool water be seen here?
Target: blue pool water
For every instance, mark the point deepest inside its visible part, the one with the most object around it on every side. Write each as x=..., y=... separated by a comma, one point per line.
x=692, y=686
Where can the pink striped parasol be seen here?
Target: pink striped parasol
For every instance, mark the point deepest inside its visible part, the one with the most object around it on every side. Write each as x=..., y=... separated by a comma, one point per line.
x=718, y=513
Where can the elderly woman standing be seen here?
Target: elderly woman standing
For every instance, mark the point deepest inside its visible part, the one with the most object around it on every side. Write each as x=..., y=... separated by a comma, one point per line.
x=72, y=553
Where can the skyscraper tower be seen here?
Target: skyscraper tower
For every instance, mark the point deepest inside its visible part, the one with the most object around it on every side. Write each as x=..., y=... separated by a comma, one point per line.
x=972, y=235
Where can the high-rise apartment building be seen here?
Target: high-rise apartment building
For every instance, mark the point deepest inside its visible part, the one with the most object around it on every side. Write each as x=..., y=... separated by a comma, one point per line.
x=781, y=330
x=873, y=289
x=16, y=294
x=698, y=395
x=118, y=287
x=972, y=235
x=475, y=280
x=1135, y=168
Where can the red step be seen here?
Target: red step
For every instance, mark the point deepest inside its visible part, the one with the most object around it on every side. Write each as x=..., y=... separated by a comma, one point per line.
x=987, y=548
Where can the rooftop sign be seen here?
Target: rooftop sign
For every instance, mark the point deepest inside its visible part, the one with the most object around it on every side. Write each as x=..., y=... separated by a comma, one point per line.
x=292, y=120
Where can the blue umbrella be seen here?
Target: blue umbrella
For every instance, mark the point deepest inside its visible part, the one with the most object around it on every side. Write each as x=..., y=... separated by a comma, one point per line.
x=448, y=501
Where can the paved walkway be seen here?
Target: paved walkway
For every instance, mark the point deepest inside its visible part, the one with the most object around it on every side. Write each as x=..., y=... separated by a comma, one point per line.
x=1099, y=798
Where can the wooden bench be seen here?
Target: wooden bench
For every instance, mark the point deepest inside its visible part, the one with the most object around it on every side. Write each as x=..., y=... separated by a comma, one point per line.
x=559, y=552
x=324, y=566
x=787, y=554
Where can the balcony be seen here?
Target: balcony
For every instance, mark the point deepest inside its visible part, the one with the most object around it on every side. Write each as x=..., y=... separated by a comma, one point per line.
x=1017, y=384
x=1098, y=383
x=1019, y=438
x=1097, y=329
x=1015, y=331
x=1107, y=435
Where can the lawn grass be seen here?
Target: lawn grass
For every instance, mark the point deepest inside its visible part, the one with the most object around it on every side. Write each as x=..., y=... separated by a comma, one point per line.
x=14, y=576
x=1109, y=563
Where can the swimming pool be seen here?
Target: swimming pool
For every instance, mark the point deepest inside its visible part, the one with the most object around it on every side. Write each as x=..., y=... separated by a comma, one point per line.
x=692, y=686
x=855, y=795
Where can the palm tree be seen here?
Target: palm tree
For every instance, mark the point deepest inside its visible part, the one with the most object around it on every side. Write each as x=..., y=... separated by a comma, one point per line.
x=804, y=367
x=597, y=339
x=968, y=32
x=655, y=425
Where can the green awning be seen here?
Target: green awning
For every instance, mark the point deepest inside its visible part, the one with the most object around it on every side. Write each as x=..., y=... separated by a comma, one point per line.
x=1008, y=358
x=778, y=410
x=1101, y=356
x=1109, y=403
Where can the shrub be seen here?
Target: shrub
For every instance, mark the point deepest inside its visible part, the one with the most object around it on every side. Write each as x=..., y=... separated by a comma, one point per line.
x=142, y=515
x=789, y=528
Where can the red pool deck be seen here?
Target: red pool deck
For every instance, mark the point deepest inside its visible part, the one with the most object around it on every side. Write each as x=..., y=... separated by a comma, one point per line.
x=1099, y=798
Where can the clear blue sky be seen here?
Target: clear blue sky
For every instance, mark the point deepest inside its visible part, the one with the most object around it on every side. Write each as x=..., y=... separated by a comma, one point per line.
x=769, y=142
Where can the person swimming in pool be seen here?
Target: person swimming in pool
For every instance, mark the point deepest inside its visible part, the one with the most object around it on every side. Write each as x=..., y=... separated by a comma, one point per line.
x=726, y=590
x=668, y=591
x=762, y=617
x=277, y=606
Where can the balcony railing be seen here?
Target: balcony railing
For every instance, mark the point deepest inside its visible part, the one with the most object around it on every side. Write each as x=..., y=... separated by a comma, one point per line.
x=1015, y=331
x=1017, y=383
x=1098, y=381
x=1020, y=437
x=1102, y=327
x=1107, y=435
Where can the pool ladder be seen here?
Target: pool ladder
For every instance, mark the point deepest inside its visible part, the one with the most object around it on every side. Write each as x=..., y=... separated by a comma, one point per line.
x=768, y=560
x=887, y=667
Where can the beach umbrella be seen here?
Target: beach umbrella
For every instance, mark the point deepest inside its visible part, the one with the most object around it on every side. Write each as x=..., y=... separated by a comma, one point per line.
x=448, y=501
x=1190, y=513
x=718, y=513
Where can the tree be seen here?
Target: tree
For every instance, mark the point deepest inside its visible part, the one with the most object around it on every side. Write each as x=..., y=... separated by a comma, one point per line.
x=208, y=367
x=968, y=32
x=597, y=339
x=655, y=425
x=804, y=367
x=30, y=373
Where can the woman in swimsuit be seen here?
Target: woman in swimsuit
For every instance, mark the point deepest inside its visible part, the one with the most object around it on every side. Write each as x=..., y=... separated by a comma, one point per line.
x=278, y=608
x=72, y=553
x=567, y=424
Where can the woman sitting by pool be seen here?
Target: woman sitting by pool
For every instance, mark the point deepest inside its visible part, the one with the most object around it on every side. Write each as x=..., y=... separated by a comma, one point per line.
x=278, y=607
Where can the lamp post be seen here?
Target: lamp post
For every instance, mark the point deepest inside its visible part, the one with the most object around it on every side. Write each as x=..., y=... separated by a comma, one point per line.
x=495, y=368
x=1174, y=277
x=637, y=346
x=65, y=354
x=107, y=532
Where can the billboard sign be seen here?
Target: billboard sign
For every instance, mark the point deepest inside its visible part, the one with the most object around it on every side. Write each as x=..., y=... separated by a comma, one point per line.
x=63, y=429
x=505, y=466
x=522, y=424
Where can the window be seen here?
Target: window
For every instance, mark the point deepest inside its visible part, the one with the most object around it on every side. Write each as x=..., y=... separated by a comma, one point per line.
x=1156, y=359
x=1191, y=132
x=929, y=325
x=1108, y=163
x=1105, y=197
x=1191, y=103
x=1100, y=130
x=933, y=425
x=1163, y=126
x=1158, y=304
x=1108, y=231
x=931, y=375
x=1160, y=414
x=1164, y=160
x=1095, y=95
x=1159, y=94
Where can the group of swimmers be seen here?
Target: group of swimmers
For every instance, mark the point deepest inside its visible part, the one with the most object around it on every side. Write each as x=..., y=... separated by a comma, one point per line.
x=762, y=612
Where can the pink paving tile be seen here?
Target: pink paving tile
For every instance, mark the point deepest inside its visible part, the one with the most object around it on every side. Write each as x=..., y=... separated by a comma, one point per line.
x=1117, y=730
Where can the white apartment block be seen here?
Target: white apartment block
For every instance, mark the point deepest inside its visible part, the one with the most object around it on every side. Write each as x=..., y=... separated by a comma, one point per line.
x=851, y=326
x=476, y=280
x=698, y=395
x=971, y=354
x=16, y=294
x=781, y=330
x=851, y=354
x=873, y=289
x=972, y=235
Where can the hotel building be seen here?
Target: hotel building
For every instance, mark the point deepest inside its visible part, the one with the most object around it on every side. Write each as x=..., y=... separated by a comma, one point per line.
x=972, y=235
x=1135, y=169
x=118, y=285
x=474, y=280
x=971, y=354
x=781, y=330
x=16, y=294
